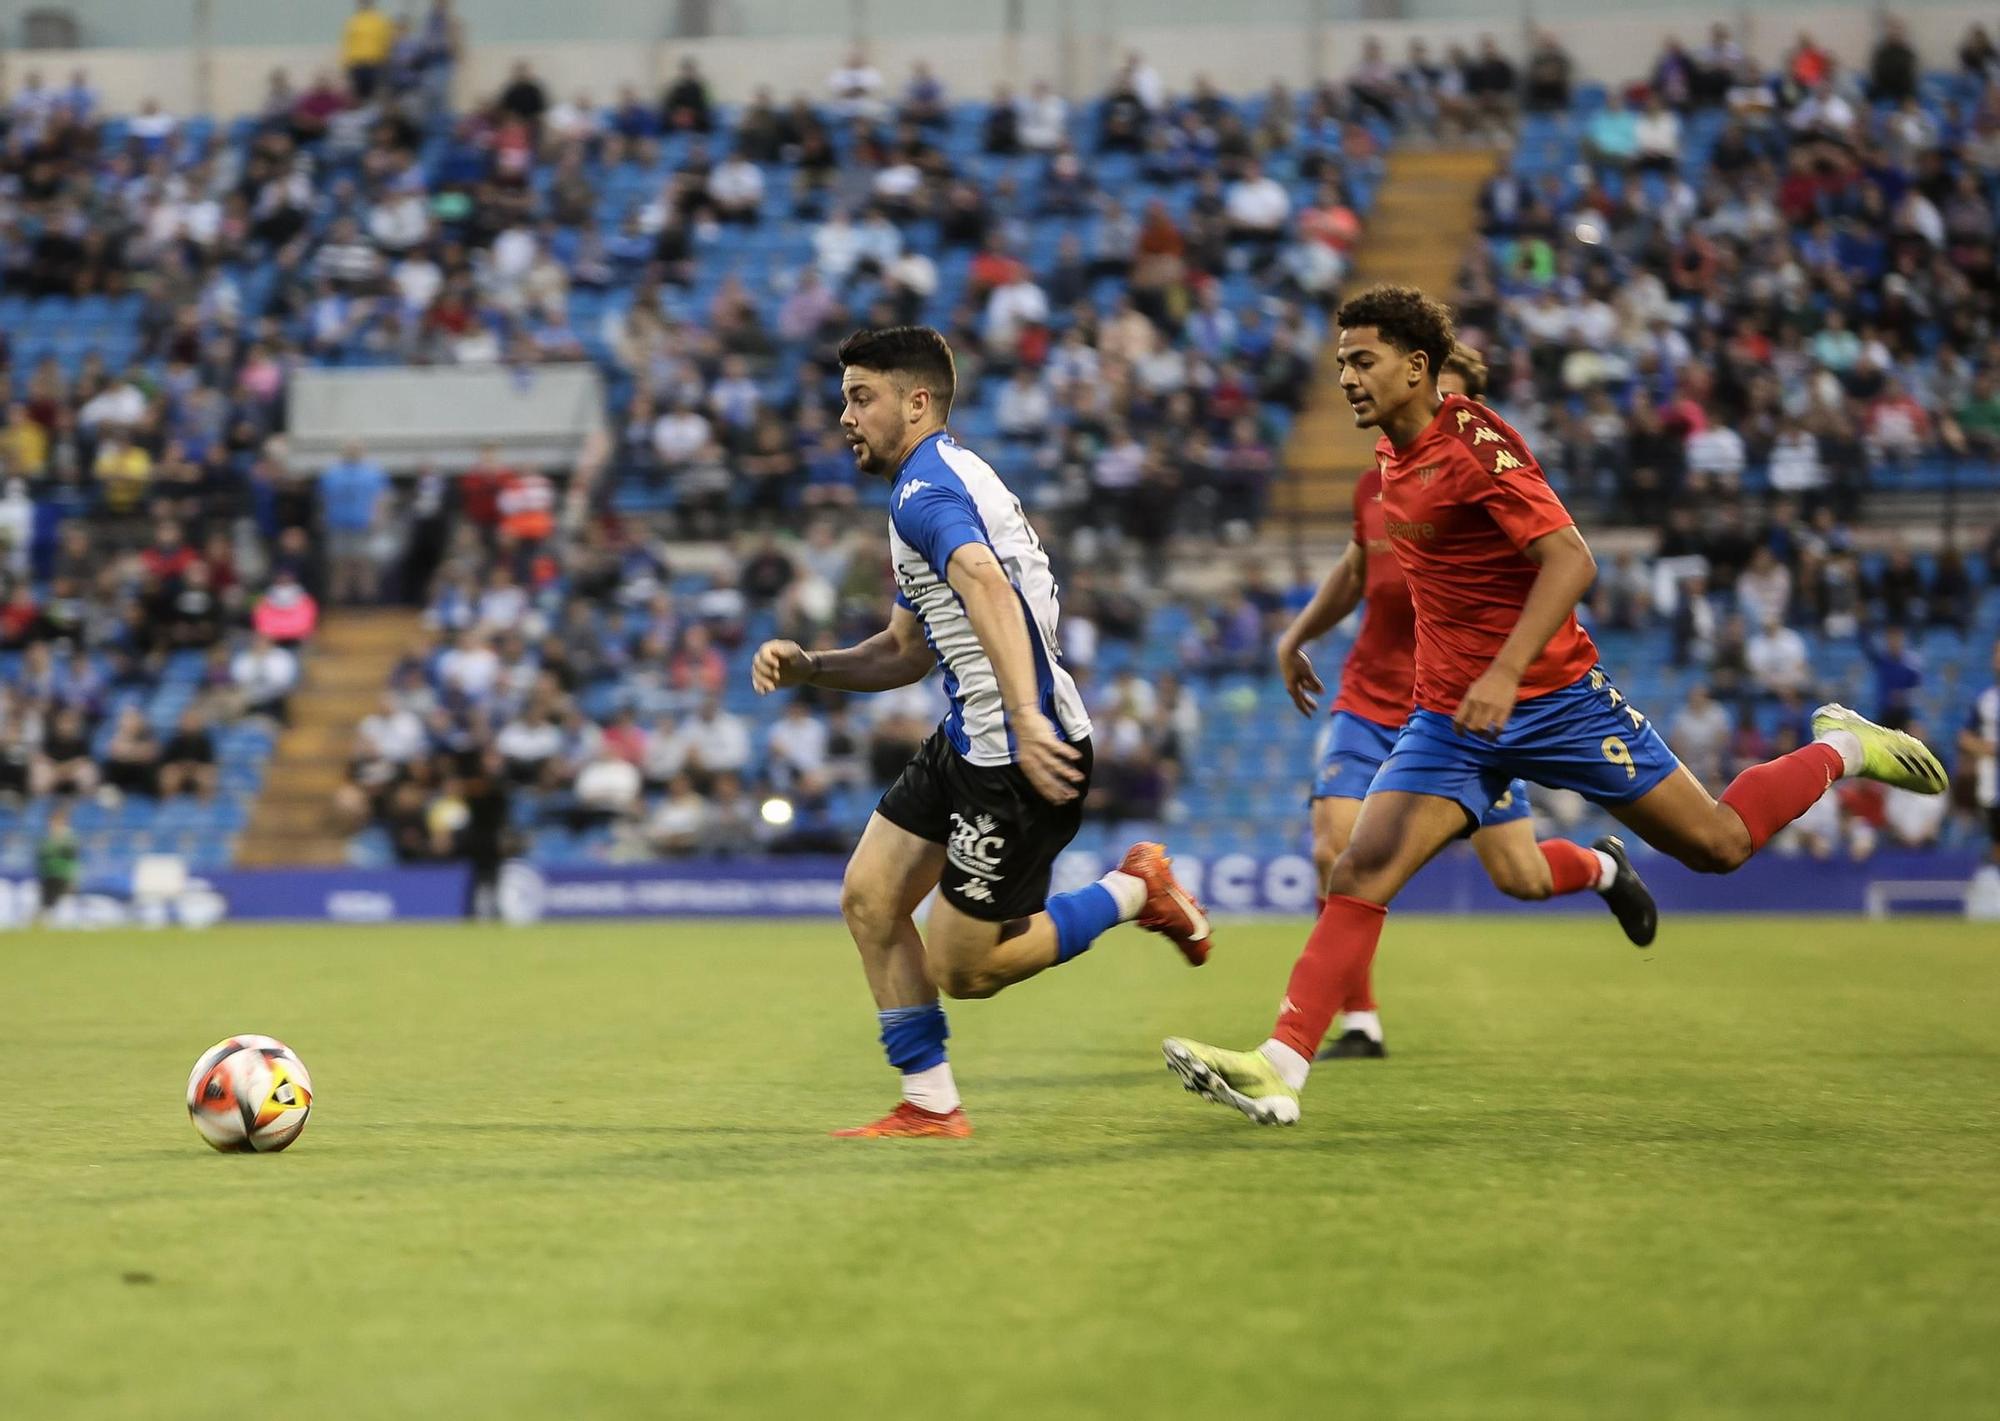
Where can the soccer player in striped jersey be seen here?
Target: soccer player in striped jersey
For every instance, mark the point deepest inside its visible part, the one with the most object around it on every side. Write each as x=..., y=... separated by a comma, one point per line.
x=1507, y=685
x=1376, y=695
x=996, y=793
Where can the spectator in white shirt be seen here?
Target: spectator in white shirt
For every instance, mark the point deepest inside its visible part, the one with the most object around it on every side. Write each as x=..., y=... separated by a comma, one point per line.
x=607, y=786
x=120, y=405
x=1257, y=206
x=471, y=667
x=677, y=825
x=1659, y=132
x=1914, y=820
x=1043, y=119
x=1777, y=660
x=1825, y=111
x=1701, y=735
x=574, y=117
x=837, y=247
x=264, y=675
x=1024, y=408
x=503, y=603
x=680, y=434
x=856, y=88
x=1012, y=308
x=736, y=187
x=150, y=124
x=666, y=753
x=717, y=741
x=797, y=747
x=1795, y=462
x=529, y=744
x=1764, y=588
x=399, y=222
x=393, y=735
x=1717, y=451
x=881, y=242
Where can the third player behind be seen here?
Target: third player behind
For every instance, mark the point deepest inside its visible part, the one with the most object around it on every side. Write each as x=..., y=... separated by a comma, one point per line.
x=1507, y=685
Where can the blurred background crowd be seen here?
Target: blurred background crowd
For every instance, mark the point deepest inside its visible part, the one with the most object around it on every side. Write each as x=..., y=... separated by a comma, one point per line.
x=1743, y=310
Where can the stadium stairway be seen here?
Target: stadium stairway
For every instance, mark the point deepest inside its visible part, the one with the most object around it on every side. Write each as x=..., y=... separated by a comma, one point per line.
x=352, y=656
x=1424, y=221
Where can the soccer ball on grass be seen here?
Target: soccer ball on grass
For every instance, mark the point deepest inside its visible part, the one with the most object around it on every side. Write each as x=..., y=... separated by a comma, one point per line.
x=249, y=1094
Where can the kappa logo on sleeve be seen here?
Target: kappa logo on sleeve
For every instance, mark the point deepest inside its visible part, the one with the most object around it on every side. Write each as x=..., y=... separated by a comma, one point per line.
x=909, y=488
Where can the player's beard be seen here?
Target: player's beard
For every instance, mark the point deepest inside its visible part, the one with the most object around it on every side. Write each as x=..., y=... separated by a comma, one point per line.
x=864, y=456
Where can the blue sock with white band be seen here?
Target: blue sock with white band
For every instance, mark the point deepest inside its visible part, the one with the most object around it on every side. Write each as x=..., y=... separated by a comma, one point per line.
x=1088, y=913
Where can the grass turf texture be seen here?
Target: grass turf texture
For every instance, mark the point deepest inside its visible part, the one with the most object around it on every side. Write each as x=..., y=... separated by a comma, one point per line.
x=582, y=1171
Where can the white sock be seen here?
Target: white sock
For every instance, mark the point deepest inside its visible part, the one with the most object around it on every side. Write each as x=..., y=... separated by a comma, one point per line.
x=1365, y=1022
x=1128, y=891
x=933, y=1089
x=1849, y=746
x=1292, y=1067
x=1607, y=870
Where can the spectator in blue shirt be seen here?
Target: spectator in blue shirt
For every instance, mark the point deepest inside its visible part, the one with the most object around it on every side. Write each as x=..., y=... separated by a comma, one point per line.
x=353, y=498
x=1614, y=134
x=1898, y=673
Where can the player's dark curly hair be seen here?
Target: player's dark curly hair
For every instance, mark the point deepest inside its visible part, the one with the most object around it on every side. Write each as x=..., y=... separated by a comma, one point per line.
x=917, y=354
x=1405, y=318
x=1471, y=368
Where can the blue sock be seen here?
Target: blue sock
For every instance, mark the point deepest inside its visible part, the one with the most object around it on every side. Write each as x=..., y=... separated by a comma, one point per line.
x=914, y=1036
x=1081, y=918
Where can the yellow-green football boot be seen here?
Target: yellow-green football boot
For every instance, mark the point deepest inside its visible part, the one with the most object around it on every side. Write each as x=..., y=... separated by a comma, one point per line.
x=1243, y=1080
x=1886, y=755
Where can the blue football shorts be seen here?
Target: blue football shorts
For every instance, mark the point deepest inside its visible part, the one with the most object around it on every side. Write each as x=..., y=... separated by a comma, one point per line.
x=1585, y=737
x=1353, y=750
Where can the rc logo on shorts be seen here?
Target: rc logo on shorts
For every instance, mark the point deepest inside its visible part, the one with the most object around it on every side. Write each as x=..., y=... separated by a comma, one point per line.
x=975, y=849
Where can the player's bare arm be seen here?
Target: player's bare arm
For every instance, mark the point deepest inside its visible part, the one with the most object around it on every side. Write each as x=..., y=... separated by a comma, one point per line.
x=895, y=656
x=994, y=609
x=1567, y=571
x=1339, y=593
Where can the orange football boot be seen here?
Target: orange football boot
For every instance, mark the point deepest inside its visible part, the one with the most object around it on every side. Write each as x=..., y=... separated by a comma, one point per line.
x=909, y=1121
x=1170, y=909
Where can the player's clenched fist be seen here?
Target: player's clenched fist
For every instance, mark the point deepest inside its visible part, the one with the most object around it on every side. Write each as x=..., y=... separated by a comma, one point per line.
x=778, y=664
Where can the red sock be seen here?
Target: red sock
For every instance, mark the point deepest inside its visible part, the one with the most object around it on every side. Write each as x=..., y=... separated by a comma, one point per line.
x=1769, y=796
x=1335, y=960
x=1361, y=990
x=1572, y=866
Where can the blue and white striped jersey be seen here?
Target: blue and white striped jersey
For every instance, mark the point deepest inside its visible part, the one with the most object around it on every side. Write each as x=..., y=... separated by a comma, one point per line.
x=944, y=497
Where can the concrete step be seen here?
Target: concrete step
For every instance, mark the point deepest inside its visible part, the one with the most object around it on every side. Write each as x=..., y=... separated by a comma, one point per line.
x=351, y=658
x=1424, y=218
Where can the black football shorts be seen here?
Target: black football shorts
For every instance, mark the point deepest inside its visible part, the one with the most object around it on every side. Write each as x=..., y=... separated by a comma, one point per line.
x=1001, y=838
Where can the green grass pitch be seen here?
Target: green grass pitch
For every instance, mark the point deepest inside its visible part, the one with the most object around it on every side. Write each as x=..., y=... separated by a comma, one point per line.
x=582, y=1171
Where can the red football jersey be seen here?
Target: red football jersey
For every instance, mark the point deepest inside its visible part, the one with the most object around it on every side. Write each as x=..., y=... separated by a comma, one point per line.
x=1381, y=667
x=1461, y=503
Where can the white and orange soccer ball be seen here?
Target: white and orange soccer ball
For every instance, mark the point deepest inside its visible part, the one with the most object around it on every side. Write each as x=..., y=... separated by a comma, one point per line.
x=249, y=1094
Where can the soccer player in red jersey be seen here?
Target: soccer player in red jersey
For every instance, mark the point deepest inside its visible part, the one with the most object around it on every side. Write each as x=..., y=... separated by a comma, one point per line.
x=1507, y=684
x=1376, y=695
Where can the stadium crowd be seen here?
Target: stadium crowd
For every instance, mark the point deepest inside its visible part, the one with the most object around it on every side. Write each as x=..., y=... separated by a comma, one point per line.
x=1757, y=287
x=1721, y=277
